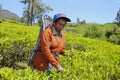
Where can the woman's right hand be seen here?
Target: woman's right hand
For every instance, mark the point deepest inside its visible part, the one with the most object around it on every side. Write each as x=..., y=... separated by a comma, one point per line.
x=59, y=68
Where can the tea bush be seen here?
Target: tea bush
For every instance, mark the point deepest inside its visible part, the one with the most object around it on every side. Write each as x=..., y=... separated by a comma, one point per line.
x=85, y=59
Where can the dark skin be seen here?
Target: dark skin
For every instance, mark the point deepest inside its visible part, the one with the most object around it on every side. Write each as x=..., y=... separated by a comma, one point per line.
x=60, y=24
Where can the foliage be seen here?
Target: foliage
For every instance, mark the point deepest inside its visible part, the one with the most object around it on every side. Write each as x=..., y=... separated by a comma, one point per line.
x=16, y=42
x=85, y=59
x=93, y=31
x=112, y=32
x=34, y=10
x=117, y=19
x=106, y=32
x=0, y=7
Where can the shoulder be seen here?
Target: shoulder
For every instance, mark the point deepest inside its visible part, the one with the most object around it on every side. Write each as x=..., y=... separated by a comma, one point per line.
x=47, y=32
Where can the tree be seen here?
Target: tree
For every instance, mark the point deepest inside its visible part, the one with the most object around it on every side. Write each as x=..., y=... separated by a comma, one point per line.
x=0, y=7
x=117, y=19
x=78, y=20
x=80, y=23
x=34, y=10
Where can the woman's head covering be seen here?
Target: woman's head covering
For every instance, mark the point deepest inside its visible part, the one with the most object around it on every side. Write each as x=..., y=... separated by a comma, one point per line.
x=61, y=16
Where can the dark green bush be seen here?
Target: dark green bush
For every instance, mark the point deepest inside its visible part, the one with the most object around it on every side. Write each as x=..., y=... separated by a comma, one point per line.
x=93, y=31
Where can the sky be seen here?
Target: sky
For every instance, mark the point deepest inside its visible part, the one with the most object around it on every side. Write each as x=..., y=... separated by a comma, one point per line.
x=92, y=11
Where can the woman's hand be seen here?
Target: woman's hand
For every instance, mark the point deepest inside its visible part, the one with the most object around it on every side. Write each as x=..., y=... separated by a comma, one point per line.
x=59, y=68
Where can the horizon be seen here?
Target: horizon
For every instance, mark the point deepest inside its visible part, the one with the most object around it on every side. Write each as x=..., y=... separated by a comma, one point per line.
x=90, y=11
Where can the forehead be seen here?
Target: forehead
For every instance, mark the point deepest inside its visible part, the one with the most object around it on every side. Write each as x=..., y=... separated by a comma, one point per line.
x=61, y=21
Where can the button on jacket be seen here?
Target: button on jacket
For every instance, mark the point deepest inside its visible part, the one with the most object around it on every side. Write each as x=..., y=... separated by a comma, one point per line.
x=50, y=43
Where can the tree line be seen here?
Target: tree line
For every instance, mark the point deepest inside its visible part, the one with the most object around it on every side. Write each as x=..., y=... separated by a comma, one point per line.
x=34, y=9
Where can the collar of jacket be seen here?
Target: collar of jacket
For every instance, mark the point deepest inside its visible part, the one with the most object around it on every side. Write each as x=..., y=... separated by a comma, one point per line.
x=55, y=32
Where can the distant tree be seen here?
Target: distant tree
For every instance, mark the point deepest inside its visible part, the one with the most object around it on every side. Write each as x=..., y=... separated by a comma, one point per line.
x=34, y=10
x=78, y=20
x=83, y=22
x=117, y=19
x=0, y=7
x=80, y=23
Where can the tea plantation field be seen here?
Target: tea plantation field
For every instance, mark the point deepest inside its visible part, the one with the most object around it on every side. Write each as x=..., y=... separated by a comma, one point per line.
x=86, y=59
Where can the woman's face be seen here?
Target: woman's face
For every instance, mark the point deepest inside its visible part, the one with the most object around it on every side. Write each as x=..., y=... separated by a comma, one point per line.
x=59, y=24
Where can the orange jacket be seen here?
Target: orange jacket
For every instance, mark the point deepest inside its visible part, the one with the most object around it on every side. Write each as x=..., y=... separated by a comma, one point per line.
x=48, y=44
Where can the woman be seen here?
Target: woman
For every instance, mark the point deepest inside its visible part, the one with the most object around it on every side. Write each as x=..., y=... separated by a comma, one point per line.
x=52, y=44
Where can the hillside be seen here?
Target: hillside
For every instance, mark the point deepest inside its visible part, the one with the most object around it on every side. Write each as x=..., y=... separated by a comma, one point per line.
x=86, y=59
x=8, y=15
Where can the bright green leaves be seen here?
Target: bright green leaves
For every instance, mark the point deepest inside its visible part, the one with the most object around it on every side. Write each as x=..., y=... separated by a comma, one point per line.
x=85, y=59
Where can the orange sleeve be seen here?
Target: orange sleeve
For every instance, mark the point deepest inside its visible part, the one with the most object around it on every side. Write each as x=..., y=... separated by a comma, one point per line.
x=63, y=51
x=45, y=47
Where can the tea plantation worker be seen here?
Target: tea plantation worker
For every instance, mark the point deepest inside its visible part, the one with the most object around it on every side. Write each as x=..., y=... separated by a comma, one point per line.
x=52, y=44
